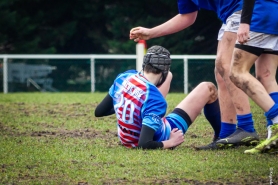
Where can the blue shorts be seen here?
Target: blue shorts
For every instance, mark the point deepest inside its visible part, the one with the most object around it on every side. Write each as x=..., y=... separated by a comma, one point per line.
x=179, y=119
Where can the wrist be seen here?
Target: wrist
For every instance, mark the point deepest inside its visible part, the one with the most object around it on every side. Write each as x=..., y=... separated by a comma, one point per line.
x=168, y=144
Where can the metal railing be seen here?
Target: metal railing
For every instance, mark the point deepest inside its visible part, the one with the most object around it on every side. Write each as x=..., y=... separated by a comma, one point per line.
x=93, y=57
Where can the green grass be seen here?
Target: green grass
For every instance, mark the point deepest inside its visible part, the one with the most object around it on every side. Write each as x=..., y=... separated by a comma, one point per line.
x=54, y=138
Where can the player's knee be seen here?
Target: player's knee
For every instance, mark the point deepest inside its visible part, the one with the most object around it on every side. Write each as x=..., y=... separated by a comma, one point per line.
x=265, y=76
x=235, y=78
x=235, y=74
x=259, y=78
x=220, y=81
x=211, y=88
x=262, y=80
x=219, y=67
x=267, y=81
x=213, y=91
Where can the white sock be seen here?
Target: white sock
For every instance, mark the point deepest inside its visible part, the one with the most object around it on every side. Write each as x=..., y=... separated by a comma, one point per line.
x=275, y=120
x=269, y=132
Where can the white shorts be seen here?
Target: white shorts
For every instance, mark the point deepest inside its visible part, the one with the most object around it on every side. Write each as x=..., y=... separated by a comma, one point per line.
x=232, y=24
x=262, y=40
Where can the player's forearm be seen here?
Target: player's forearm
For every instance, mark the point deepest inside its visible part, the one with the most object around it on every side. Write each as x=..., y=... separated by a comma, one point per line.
x=146, y=140
x=150, y=145
x=105, y=108
x=176, y=24
x=156, y=145
x=168, y=144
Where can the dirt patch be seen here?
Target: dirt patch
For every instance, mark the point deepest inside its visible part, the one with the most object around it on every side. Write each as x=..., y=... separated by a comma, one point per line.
x=62, y=111
x=50, y=110
x=85, y=111
x=80, y=133
x=246, y=181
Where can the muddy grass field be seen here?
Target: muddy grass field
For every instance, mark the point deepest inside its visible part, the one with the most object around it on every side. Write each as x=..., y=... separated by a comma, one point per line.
x=55, y=139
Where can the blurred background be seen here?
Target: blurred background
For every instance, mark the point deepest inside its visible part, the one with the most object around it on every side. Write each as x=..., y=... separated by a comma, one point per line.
x=95, y=27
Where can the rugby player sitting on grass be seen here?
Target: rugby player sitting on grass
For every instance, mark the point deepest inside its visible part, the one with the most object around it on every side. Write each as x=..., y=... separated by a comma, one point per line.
x=138, y=100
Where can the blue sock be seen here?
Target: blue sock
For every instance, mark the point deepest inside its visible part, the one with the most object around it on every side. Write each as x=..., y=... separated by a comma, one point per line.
x=274, y=96
x=272, y=112
x=246, y=122
x=213, y=115
x=227, y=129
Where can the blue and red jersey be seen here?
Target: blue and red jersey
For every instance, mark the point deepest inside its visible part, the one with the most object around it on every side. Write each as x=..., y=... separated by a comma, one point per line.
x=137, y=102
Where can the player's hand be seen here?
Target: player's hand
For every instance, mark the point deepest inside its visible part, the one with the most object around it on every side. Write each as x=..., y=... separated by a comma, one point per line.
x=139, y=33
x=243, y=33
x=176, y=136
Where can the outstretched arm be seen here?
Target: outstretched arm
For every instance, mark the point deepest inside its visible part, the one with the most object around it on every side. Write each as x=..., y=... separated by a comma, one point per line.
x=176, y=24
x=246, y=16
x=105, y=108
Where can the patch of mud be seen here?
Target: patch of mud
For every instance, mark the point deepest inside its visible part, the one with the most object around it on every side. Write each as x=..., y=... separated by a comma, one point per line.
x=86, y=133
x=63, y=111
x=245, y=181
x=81, y=133
x=51, y=110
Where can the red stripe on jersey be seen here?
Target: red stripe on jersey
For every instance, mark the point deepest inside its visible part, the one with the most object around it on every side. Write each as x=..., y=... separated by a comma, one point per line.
x=129, y=97
x=136, y=122
x=128, y=139
x=135, y=101
x=137, y=111
x=138, y=84
x=130, y=126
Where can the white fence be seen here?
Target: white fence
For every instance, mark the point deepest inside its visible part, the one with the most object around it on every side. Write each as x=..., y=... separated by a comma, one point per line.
x=138, y=57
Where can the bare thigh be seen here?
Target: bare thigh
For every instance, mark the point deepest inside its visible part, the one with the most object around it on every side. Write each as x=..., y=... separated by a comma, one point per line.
x=195, y=101
x=266, y=67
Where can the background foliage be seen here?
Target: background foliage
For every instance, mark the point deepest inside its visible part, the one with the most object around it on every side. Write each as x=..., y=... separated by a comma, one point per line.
x=94, y=26
x=97, y=27
x=100, y=27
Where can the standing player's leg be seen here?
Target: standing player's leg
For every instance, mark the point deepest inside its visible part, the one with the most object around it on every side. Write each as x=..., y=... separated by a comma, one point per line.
x=240, y=75
x=242, y=78
x=232, y=99
x=266, y=69
x=165, y=87
x=222, y=66
x=228, y=111
x=234, y=103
